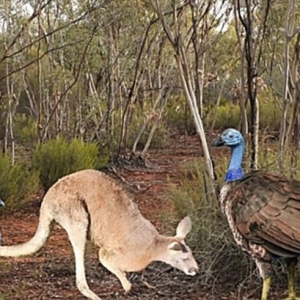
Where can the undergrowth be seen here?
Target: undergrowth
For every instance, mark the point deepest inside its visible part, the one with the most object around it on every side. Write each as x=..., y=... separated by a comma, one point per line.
x=58, y=157
x=17, y=183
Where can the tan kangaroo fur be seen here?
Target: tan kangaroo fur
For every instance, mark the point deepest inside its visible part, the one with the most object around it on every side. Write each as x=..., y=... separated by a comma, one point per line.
x=89, y=204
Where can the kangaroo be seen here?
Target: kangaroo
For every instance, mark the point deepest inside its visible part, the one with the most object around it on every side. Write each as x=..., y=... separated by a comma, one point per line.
x=90, y=205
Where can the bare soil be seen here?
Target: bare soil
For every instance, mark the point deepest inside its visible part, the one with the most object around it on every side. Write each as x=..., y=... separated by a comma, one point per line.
x=50, y=273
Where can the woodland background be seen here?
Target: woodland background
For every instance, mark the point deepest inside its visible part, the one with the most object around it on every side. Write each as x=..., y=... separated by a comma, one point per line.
x=96, y=84
x=127, y=74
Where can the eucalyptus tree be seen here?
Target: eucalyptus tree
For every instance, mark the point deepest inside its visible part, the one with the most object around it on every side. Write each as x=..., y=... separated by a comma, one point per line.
x=291, y=88
x=253, y=17
x=134, y=76
x=266, y=30
x=37, y=40
x=188, y=26
x=14, y=22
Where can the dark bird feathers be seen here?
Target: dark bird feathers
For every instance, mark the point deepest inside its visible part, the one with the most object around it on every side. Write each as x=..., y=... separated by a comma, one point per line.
x=266, y=211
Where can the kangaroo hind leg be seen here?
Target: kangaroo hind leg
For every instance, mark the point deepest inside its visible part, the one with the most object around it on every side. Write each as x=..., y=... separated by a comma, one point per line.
x=77, y=232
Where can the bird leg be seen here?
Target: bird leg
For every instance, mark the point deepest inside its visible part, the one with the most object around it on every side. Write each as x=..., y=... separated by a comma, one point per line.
x=266, y=287
x=265, y=272
x=291, y=265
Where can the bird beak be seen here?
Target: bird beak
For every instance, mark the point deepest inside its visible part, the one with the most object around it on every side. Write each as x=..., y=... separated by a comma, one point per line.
x=218, y=142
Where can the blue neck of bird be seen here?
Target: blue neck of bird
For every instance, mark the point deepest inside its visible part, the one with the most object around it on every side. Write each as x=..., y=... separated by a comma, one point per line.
x=235, y=171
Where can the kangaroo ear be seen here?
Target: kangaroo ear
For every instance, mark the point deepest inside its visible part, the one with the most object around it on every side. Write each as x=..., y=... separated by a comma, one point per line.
x=184, y=227
x=175, y=246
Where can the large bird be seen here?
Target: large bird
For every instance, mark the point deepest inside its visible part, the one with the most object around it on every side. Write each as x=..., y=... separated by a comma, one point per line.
x=263, y=212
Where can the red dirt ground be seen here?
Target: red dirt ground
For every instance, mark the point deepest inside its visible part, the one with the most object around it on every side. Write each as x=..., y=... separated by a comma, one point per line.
x=50, y=274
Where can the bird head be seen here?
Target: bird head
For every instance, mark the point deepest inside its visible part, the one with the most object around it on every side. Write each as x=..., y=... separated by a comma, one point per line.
x=230, y=138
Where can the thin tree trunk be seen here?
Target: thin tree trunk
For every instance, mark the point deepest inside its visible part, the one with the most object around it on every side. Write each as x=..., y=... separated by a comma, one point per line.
x=39, y=77
x=132, y=93
x=253, y=51
x=289, y=33
x=186, y=80
x=218, y=101
x=294, y=92
x=158, y=116
x=242, y=97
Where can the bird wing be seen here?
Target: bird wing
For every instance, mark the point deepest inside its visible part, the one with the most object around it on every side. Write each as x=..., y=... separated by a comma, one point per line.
x=266, y=211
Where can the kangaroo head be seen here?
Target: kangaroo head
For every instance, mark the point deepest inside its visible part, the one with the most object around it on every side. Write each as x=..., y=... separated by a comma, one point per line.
x=179, y=255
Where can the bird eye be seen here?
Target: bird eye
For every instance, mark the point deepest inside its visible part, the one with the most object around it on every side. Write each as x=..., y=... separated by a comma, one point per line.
x=230, y=136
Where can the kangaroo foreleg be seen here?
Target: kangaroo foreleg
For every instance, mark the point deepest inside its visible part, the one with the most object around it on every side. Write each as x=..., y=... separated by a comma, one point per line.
x=121, y=275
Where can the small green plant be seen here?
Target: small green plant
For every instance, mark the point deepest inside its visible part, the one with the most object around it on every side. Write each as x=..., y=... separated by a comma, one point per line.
x=17, y=184
x=58, y=157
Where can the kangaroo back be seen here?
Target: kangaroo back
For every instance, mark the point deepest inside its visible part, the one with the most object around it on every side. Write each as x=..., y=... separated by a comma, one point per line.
x=114, y=219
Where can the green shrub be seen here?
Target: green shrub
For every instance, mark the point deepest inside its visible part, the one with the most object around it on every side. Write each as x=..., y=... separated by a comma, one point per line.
x=57, y=158
x=17, y=184
x=159, y=140
x=25, y=130
x=179, y=116
x=270, y=112
x=228, y=115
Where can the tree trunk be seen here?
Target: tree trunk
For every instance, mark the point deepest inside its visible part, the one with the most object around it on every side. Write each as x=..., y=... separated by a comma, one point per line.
x=186, y=81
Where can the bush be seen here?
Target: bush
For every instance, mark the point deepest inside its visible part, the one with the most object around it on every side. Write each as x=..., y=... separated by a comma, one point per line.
x=57, y=158
x=25, y=130
x=17, y=184
x=179, y=116
x=159, y=140
x=270, y=112
x=228, y=115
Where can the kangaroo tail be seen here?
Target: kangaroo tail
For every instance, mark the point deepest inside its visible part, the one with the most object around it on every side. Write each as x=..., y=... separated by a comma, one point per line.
x=38, y=240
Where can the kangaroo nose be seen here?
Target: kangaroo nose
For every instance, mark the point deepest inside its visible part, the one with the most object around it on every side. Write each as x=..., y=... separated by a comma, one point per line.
x=193, y=271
